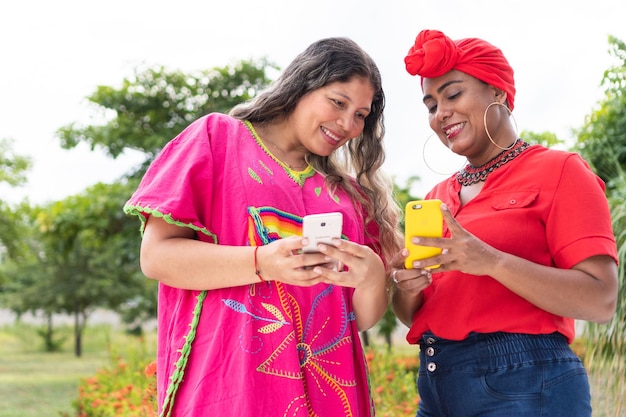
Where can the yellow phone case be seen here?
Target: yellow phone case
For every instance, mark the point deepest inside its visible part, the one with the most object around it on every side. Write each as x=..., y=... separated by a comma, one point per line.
x=422, y=218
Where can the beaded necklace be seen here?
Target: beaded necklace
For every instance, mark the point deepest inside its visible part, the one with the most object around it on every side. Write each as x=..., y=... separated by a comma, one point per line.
x=470, y=174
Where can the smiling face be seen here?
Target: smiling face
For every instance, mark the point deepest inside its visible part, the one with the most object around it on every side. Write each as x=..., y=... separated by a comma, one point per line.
x=326, y=118
x=456, y=104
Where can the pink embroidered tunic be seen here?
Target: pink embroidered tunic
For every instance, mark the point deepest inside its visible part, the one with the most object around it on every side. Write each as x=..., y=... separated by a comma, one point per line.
x=265, y=349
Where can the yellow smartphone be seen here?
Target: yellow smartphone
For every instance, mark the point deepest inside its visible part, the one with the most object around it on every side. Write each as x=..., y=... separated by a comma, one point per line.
x=422, y=218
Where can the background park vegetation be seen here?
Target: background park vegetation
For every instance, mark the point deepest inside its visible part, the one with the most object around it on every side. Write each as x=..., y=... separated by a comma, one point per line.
x=80, y=254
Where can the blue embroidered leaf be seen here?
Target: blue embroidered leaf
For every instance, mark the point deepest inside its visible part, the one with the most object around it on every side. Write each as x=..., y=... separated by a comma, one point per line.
x=236, y=305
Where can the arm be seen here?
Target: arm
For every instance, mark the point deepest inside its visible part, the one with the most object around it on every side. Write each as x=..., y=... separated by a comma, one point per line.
x=587, y=291
x=405, y=304
x=408, y=293
x=172, y=255
x=365, y=273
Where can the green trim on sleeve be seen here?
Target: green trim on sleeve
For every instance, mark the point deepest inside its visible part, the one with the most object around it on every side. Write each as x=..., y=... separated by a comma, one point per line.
x=142, y=213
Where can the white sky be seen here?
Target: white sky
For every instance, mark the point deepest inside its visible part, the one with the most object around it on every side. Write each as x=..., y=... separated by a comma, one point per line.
x=55, y=53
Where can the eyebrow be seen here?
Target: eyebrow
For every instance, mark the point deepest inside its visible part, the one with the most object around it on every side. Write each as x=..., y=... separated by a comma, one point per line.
x=440, y=89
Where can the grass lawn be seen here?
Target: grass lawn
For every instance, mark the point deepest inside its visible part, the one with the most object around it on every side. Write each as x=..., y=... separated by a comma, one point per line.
x=34, y=383
x=42, y=384
x=38, y=384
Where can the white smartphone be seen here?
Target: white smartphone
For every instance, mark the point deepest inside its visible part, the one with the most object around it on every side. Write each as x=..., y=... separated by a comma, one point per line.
x=321, y=228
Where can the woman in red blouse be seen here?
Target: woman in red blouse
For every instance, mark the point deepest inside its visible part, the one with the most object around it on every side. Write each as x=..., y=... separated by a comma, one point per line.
x=528, y=248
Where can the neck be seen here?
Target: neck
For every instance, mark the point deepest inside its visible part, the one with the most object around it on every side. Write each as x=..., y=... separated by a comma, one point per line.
x=472, y=174
x=493, y=152
x=283, y=150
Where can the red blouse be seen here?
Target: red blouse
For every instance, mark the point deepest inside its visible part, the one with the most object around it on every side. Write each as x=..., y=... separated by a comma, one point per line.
x=546, y=206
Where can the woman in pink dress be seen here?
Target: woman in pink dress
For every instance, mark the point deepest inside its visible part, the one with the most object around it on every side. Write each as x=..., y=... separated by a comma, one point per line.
x=247, y=324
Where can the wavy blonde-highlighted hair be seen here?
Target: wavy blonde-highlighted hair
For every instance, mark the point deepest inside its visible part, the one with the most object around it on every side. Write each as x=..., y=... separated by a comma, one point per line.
x=356, y=167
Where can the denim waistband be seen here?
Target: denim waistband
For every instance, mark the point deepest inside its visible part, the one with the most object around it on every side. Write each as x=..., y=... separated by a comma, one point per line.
x=501, y=349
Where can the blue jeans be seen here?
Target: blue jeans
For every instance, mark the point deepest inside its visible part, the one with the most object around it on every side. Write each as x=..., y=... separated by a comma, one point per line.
x=501, y=374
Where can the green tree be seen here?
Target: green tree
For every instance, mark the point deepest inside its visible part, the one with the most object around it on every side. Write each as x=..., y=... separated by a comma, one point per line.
x=602, y=142
x=13, y=170
x=602, y=139
x=547, y=139
x=152, y=107
x=81, y=258
x=13, y=167
x=143, y=114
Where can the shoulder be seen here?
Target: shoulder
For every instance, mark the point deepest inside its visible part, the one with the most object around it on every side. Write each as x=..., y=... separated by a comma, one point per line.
x=211, y=128
x=554, y=159
x=562, y=166
x=217, y=122
x=550, y=154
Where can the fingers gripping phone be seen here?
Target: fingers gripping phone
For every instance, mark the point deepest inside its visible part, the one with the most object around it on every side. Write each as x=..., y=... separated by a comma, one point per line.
x=422, y=218
x=321, y=228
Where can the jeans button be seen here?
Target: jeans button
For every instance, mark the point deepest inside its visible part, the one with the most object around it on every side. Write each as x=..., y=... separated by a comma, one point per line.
x=432, y=366
x=430, y=351
x=430, y=340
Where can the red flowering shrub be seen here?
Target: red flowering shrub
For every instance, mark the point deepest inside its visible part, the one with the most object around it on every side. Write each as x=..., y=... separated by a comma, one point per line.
x=393, y=380
x=127, y=388
x=121, y=390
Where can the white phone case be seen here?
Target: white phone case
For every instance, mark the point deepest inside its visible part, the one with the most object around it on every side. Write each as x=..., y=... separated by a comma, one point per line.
x=321, y=228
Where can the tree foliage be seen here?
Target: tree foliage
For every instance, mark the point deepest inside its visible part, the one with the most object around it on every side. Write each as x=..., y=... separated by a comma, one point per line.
x=13, y=170
x=82, y=252
x=547, y=139
x=13, y=167
x=152, y=107
x=602, y=142
x=602, y=139
x=83, y=256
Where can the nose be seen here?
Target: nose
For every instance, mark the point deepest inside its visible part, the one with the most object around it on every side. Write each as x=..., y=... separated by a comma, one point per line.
x=346, y=123
x=443, y=112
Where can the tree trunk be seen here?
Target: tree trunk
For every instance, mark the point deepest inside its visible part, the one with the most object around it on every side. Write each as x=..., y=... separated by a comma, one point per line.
x=78, y=332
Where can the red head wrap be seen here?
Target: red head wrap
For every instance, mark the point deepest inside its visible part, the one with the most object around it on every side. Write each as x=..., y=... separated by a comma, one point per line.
x=434, y=54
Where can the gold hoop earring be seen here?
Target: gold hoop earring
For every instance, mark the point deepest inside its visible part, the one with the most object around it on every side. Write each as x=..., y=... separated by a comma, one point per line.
x=487, y=130
x=426, y=162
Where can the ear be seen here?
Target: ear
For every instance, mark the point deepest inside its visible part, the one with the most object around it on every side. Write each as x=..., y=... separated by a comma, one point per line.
x=499, y=95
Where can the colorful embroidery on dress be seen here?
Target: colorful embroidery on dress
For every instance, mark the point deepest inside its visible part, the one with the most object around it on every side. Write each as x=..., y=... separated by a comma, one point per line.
x=298, y=176
x=267, y=224
x=320, y=347
x=300, y=337
x=254, y=176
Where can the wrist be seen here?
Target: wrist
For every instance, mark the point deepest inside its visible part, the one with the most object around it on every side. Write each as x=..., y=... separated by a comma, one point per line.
x=257, y=271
